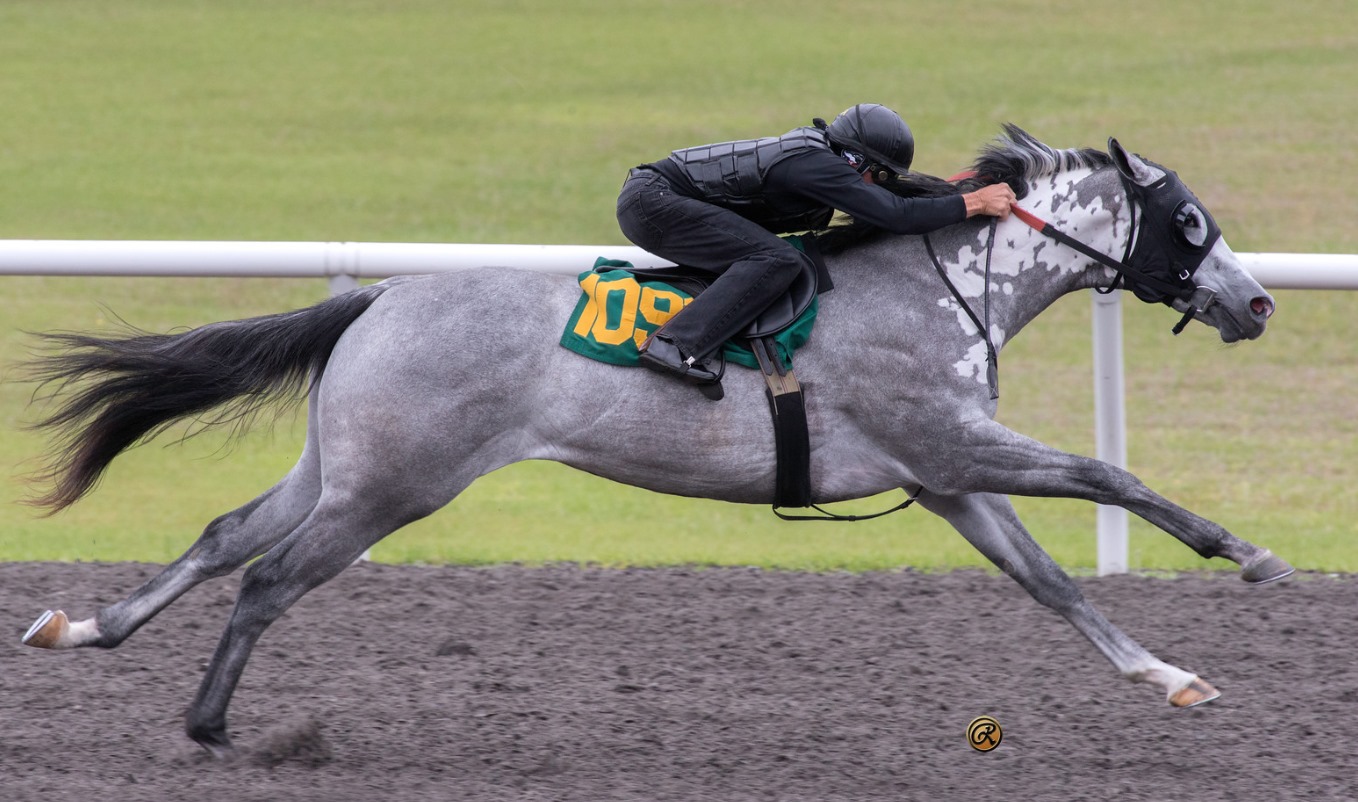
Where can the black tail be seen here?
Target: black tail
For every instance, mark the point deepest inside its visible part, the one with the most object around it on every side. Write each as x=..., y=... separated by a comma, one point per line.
x=123, y=390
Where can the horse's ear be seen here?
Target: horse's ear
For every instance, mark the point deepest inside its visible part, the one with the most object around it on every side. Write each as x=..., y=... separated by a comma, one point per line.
x=1130, y=165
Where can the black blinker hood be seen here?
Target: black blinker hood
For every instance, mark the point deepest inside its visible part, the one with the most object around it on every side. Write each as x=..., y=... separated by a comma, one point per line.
x=1160, y=251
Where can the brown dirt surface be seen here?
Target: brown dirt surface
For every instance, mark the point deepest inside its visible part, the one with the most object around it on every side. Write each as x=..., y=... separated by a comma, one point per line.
x=570, y=683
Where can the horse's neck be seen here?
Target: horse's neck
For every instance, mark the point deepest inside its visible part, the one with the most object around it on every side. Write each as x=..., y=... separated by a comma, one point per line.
x=1028, y=271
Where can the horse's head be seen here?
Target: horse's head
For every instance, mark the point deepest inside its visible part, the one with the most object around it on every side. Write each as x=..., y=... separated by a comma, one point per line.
x=1180, y=258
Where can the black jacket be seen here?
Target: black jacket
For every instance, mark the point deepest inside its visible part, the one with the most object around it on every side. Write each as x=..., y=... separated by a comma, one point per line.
x=795, y=183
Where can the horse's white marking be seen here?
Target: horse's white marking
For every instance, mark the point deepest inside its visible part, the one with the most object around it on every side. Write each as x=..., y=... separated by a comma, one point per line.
x=1018, y=248
x=973, y=364
x=1160, y=674
x=81, y=632
x=963, y=319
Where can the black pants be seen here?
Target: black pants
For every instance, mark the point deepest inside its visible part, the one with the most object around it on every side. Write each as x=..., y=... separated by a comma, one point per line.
x=754, y=267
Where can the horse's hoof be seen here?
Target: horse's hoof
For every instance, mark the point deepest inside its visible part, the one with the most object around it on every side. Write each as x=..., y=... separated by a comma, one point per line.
x=211, y=737
x=48, y=631
x=1195, y=693
x=218, y=745
x=221, y=752
x=1267, y=567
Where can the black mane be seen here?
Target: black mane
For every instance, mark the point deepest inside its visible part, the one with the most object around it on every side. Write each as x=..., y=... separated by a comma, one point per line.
x=1014, y=158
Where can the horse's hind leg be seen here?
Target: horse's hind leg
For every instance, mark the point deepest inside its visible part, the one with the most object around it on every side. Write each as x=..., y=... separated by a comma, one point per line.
x=225, y=545
x=989, y=523
x=336, y=533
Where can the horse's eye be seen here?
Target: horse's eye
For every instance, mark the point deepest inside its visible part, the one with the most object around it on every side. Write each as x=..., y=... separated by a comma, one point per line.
x=1190, y=226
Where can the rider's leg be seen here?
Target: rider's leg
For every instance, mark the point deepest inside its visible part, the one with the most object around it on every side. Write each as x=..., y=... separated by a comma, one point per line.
x=754, y=266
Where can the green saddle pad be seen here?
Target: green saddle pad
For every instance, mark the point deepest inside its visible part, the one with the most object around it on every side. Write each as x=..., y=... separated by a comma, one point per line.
x=616, y=313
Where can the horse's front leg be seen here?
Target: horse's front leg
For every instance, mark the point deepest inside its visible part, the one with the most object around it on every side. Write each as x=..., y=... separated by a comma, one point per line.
x=994, y=459
x=989, y=523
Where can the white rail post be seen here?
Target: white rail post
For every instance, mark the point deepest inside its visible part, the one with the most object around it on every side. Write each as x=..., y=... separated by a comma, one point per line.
x=341, y=284
x=1110, y=425
x=341, y=267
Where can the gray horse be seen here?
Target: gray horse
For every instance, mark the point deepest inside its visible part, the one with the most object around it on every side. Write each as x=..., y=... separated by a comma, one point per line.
x=419, y=386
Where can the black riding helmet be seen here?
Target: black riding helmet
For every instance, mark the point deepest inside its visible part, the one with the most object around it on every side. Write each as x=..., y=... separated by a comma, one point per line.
x=877, y=133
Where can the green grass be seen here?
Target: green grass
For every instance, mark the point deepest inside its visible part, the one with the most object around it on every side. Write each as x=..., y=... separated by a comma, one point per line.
x=504, y=121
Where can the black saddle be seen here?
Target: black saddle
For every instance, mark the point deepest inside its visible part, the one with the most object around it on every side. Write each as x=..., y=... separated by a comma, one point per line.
x=813, y=280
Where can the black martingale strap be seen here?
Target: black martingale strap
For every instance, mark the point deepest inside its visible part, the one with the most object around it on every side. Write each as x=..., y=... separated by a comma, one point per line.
x=992, y=356
x=1120, y=278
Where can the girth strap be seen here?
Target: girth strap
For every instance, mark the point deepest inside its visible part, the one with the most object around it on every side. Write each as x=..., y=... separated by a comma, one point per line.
x=792, y=442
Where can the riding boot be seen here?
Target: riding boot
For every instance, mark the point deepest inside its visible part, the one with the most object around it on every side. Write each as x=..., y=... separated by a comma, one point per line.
x=662, y=355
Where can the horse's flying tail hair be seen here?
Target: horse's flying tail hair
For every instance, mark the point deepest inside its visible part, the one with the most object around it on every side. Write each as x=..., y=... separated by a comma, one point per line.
x=115, y=392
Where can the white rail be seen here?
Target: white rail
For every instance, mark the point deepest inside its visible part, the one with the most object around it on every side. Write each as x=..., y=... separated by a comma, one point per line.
x=1303, y=271
x=353, y=260
x=344, y=263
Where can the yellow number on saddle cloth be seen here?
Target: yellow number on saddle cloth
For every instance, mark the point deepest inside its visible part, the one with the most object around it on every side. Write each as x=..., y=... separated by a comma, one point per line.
x=616, y=314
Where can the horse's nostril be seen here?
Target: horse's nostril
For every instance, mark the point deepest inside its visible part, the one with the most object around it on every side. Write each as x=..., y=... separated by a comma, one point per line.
x=1262, y=306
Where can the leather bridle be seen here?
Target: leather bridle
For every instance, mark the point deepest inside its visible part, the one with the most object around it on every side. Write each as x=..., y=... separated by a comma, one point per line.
x=1177, y=260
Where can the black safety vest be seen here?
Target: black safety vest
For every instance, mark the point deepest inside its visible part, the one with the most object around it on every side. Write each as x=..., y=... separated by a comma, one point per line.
x=732, y=174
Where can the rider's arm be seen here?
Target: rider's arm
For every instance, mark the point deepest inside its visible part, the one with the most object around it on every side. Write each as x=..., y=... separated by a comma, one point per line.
x=828, y=179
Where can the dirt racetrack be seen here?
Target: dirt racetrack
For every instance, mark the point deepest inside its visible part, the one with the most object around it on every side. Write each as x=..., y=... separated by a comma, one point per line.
x=563, y=683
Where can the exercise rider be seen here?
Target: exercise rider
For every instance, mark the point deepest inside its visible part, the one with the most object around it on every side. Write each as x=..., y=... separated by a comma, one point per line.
x=720, y=208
